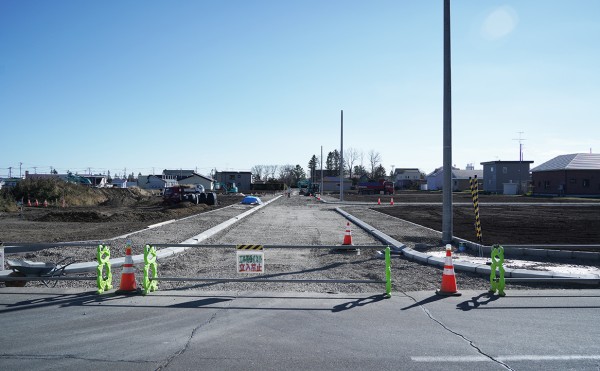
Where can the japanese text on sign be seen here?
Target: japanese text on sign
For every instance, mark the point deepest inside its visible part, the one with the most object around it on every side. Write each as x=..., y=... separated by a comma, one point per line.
x=250, y=262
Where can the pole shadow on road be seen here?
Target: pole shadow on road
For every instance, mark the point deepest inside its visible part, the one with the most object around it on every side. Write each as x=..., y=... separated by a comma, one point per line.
x=358, y=303
x=476, y=301
x=62, y=300
x=431, y=299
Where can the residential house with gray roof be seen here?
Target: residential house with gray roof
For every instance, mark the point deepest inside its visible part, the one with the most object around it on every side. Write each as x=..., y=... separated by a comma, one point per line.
x=576, y=174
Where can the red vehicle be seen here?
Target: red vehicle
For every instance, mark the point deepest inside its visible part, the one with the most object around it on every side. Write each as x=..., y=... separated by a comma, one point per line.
x=369, y=188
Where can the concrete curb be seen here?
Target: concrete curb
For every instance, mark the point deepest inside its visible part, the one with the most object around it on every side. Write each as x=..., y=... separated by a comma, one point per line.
x=87, y=267
x=482, y=269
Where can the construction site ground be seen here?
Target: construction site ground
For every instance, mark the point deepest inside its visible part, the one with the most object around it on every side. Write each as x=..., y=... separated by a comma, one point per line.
x=301, y=220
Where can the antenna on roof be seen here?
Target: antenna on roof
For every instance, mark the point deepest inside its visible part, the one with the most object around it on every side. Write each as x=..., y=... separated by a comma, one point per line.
x=520, y=145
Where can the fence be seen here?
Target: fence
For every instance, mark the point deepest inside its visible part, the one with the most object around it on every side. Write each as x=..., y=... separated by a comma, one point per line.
x=150, y=270
x=151, y=278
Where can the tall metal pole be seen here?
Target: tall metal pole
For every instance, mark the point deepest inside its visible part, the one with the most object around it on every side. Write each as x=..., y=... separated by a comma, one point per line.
x=321, y=189
x=342, y=159
x=447, y=190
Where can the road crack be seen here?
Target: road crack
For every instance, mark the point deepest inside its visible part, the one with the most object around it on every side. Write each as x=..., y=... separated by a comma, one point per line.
x=172, y=357
x=463, y=337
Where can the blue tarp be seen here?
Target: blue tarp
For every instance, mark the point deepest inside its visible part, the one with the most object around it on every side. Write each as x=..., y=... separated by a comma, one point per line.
x=251, y=200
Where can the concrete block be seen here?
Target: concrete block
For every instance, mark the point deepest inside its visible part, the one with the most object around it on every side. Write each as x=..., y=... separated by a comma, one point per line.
x=483, y=269
x=465, y=266
x=560, y=254
x=535, y=252
x=586, y=255
x=516, y=252
x=433, y=260
x=525, y=273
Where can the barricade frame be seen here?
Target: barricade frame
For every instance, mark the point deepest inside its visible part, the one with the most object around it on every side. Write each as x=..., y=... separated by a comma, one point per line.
x=150, y=283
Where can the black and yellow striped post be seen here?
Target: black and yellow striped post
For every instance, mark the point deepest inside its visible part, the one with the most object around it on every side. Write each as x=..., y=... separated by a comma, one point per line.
x=475, y=195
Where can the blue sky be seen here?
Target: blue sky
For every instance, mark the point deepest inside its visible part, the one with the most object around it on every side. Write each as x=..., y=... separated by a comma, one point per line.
x=149, y=85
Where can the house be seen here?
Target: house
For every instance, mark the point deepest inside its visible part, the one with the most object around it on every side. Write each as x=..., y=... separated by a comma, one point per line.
x=242, y=179
x=460, y=179
x=506, y=177
x=332, y=184
x=119, y=183
x=177, y=174
x=194, y=179
x=406, y=178
x=98, y=180
x=576, y=174
x=154, y=182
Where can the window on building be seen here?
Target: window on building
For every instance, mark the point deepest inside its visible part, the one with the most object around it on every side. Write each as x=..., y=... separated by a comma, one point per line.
x=232, y=177
x=546, y=184
x=572, y=181
x=492, y=169
x=504, y=170
x=586, y=183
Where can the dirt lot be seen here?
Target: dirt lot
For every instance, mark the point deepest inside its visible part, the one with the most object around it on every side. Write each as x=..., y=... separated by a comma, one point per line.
x=122, y=212
x=514, y=222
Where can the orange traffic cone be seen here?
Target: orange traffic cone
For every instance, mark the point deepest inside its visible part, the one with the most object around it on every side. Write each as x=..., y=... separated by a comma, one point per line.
x=29, y=202
x=448, y=277
x=37, y=203
x=392, y=201
x=128, y=284
x=379, y=201
x=45, y=203
x=348, y=235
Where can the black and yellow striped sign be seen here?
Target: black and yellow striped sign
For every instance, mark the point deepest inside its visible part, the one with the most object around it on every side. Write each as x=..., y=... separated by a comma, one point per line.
x=249, y=247
x=475, y=195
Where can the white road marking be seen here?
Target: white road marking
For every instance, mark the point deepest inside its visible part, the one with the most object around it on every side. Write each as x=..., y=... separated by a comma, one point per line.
x=524, y=357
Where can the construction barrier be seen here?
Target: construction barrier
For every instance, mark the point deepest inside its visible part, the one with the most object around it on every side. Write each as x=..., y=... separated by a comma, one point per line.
x=474, y=184
x=103, y=282
x=150, y=283
x=497, y=284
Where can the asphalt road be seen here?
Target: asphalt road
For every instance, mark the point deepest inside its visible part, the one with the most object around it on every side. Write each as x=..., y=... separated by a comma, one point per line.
x=189, y=330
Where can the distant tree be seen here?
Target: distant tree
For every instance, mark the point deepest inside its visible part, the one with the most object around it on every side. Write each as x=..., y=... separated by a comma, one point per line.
x=374, y=161
x=312, y=166
x=333, y=163
x=258, y=173
x=108, y=178
x=379, y=172
x=359, y=171
x=350, y=158
x=270, y=171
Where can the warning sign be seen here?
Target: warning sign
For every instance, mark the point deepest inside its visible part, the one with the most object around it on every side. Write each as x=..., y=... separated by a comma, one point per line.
x=250, y=260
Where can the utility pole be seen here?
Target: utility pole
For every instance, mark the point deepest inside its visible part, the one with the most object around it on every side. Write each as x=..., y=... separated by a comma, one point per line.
x=321, y=189
x=10, y=170
x=520, y=160
x=342, y=158
x=447, y=152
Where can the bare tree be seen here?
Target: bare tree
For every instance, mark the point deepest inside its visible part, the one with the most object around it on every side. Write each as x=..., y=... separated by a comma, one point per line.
x=350, y=158
x=258, y=172
x=270, y=171
x=374, y=161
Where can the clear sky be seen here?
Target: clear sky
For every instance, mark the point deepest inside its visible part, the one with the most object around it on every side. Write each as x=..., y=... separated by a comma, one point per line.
x=149, y=85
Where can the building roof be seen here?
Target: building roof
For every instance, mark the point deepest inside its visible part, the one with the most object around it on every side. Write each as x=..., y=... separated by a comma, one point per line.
x=403, y=170
x=506, y=162
x=575, y=161
x=198, y=175
x=180, y=173
x=466, y=174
